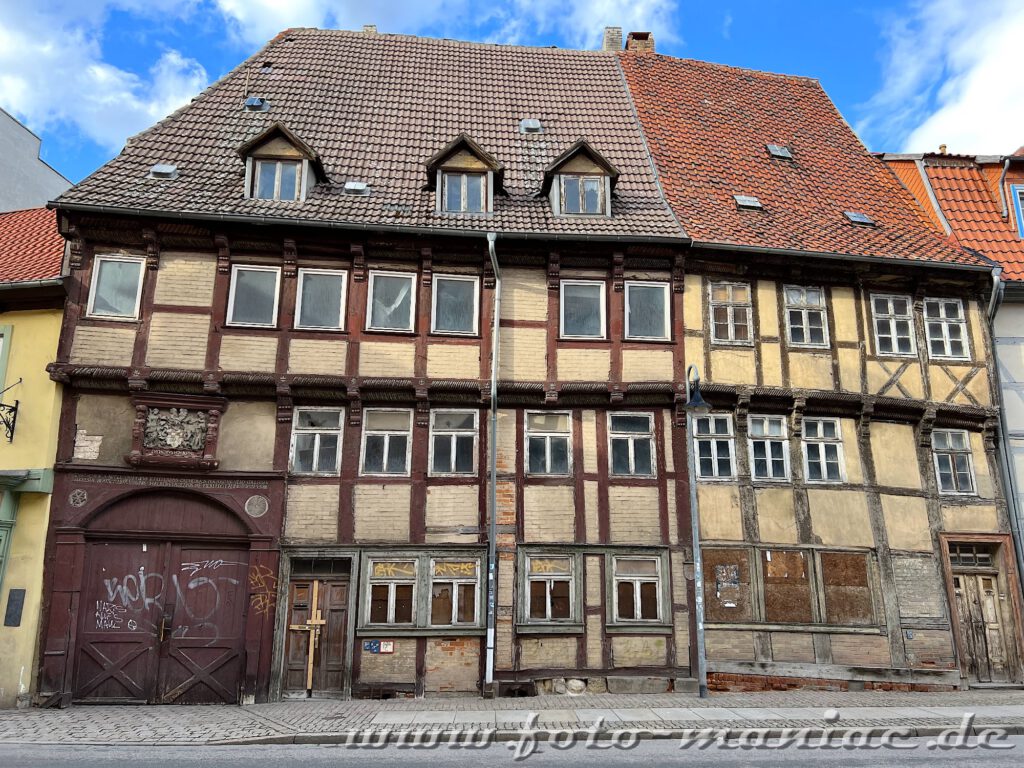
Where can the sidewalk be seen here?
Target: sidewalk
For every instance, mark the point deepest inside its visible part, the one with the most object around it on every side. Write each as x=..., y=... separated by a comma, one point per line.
x=666, y=715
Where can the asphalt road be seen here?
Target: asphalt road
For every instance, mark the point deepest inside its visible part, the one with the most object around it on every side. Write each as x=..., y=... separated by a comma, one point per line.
x=652, y=754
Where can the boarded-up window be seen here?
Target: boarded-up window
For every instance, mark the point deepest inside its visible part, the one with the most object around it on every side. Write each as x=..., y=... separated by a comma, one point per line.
x=847, y=588
x=787, y=590
x=727, y=585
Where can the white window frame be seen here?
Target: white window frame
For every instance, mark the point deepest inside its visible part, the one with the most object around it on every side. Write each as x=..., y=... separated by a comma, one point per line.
x=94, y=284
x=453, y=434
x=657, y=580
x=805, y=309
x=456, y=582
x=945, y=324
x=528, y=433
x=476, y=304
x=372, y=581
x=411, y=277
x=561, y=308
x=713, y=438
x=821, y=442
x=464, y=191
x=235, y=269
x=300, y=179
x=668, y=310
x=602, y=205
x=784, y=440
x=891, y=320
x=632, y=437
x=571, y=577
x=387, y=433
x=731, y=306
x=343, y=274
x=953, y=452
x=317, y=431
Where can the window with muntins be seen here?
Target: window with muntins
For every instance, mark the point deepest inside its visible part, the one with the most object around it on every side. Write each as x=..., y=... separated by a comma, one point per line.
x=453, y=442
x=320, y=303
x=713, y=437
x=637, y=589
x=548, y=438
x=456, y=305
x=550, y=588
x=465, y=192
x=769, y=454
x=392, y=301
x=730, y=313
x=391, y=598
x=386, y=442
x=254, y=296
x=316, y=441
x=946, y=328
x=277, y=179
x=582, y=194
x=582, y=309
x=806, y=321
x=647, y=311
x=894, y=325
x=823, y=451
x=954, y=471
x=454, y=585
x=632, y=444
x=116, y=287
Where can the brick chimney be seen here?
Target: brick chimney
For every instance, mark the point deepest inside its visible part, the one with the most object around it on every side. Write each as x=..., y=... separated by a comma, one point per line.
x=640, y=41
x=612, y=39
x=370, y=29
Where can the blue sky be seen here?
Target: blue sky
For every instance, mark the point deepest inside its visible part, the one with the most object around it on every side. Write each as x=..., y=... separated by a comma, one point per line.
x=906, y=74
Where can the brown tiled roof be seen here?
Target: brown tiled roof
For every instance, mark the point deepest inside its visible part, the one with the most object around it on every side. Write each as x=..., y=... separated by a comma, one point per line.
x=30, y=246
x=708, y=125
x=376, y=108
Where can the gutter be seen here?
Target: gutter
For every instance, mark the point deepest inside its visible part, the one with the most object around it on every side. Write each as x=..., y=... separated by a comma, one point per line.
x=492, y=491
x=22, y=285
x=1005, y=451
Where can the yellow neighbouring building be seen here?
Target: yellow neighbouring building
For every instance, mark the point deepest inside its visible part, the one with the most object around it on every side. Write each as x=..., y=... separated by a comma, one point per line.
x=31, y=309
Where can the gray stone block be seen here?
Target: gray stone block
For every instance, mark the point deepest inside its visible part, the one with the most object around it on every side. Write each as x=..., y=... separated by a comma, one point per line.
x=617, y=684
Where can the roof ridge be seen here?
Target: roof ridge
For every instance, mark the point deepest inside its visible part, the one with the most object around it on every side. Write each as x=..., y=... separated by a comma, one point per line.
x=448, y=40
x=729, y=67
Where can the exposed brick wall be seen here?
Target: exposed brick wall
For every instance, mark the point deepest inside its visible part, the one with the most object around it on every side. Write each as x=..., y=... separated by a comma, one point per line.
x=507, y=443
x=726, y=681
x=726, y=645
x=639, y=650
x=453, y=361
x=633, y=514
x=452, y=506
x=918, y=587
x=523, y=354
x=312, y=513
x=584, y=364
x=544, y=652
x=792, y=646
x=185, y=279
x=548, y=514
x=452, y=665
x=248, y=353
x=930, y=649
x=861, y=650
x=524, y=295
x=103, y=346
x=177, y=340
x=383, y=358
x=314, y=356
x=397, y=667
x=381, y=512
x=646, y=365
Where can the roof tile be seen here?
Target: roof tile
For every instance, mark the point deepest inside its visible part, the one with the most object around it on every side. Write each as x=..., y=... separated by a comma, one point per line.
x=31, y=248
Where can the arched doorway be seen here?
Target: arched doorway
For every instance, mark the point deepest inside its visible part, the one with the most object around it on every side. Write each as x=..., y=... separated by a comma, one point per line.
x=163, y=603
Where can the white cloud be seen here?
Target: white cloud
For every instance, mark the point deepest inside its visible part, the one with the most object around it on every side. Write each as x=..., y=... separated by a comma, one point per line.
x=53, y=73
x=949, y=79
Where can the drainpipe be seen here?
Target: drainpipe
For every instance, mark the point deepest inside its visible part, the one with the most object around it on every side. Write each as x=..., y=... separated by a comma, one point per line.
x=1005, y=450
x=1002, y=188
x=492, y=528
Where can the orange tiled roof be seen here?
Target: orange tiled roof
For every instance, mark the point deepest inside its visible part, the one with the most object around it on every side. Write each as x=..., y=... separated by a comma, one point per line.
x=30, y=246
x=708, y=125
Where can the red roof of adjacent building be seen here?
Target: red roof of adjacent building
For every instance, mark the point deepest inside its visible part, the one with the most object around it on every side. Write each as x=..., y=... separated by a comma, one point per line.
x=31, y=248
x=708, y=127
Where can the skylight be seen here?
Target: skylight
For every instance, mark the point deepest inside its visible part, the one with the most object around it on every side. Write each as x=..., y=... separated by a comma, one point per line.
x=360, y=188
x=163, y=171
x=530, y=125
x=859, y=218
x=747, y=201
x=777, y=150
x=257, y=104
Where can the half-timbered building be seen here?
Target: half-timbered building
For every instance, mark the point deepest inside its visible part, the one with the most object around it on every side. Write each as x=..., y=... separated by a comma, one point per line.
x=376, y=354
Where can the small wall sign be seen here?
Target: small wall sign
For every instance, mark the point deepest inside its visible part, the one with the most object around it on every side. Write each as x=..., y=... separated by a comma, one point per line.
x=378, y=646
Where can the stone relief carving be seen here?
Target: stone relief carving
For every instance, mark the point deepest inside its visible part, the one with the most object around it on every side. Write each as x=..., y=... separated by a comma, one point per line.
x=176, y=429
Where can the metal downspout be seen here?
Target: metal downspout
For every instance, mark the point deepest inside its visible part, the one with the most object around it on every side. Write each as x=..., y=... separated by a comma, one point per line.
x=1005, y=452
x=492, y=491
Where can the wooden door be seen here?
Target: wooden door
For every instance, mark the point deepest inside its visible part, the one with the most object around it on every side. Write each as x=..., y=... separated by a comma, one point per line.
x=119, y=624
x=981, y=626
x=318, y=615
x=202, y=654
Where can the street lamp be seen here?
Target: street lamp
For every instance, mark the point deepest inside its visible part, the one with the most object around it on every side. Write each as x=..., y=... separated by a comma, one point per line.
x=695, y=405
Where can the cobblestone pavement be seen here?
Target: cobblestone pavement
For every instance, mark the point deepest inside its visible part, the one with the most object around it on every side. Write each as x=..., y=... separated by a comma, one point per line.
x=329, y=721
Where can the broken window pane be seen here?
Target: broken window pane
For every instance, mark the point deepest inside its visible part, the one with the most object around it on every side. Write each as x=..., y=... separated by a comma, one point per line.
x=441, y=602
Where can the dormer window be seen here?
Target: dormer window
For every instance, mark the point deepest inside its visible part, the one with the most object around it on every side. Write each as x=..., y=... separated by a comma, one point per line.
x=280, y=166
x=464, y=177
x=582, y=194
x=277, y=180
x=579, y=182
x=465, y=192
